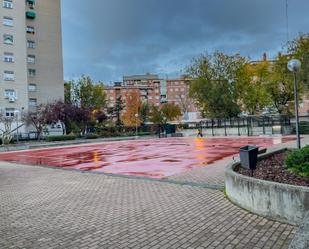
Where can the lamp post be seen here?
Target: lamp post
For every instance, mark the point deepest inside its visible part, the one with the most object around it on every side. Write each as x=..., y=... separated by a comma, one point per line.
x=136, y=130
x=165, y=126
x=16, y=113
x=294, y=66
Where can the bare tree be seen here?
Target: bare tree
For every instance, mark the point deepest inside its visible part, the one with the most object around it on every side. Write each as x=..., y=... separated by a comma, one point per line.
x=184, y=101
x=38, y=119
x=6, y=132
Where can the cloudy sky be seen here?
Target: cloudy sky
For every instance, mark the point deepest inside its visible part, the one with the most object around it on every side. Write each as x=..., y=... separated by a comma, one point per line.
x=107, y=39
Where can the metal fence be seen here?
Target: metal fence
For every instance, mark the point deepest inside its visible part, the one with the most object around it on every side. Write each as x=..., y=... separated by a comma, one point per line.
x=250, y=125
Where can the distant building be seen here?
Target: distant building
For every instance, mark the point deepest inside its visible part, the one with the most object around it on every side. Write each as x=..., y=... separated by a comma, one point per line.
x=155, y=91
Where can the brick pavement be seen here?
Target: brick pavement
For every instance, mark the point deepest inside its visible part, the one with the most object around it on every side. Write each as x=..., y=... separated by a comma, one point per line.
x=53, y=208
x=211, y=174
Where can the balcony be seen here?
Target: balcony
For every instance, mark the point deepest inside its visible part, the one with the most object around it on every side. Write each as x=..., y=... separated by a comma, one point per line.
x=30, y=15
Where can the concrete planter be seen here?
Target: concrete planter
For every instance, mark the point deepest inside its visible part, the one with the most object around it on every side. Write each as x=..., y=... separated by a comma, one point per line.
x=282, y=202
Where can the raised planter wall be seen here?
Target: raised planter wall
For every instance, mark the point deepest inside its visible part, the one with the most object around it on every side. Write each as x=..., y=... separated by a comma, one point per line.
x=282, y=202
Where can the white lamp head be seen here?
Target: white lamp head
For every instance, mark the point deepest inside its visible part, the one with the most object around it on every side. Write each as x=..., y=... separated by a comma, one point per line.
x=294, y=65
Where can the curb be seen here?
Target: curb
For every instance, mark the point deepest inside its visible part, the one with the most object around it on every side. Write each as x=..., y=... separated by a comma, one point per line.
x=277, y=201
x=28, y=146
x=301, y=238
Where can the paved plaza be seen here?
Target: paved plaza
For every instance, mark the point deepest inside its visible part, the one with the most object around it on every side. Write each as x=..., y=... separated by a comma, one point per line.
x=45, y=207
x=153, y=158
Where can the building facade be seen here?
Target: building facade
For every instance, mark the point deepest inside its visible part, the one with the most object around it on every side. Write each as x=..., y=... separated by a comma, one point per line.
x=155, y=91
x=31, y=50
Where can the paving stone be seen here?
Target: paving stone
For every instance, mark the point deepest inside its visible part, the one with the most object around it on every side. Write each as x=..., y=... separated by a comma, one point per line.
x=51, y=208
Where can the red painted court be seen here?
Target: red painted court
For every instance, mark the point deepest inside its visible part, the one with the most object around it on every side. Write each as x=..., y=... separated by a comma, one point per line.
x=155, y=158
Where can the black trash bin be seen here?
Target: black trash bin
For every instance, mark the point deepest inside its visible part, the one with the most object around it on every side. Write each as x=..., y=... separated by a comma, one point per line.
x=248, y=156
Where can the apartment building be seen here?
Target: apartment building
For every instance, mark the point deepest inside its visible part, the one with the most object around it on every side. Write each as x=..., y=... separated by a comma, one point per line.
x=31, y=49
x=155, y=91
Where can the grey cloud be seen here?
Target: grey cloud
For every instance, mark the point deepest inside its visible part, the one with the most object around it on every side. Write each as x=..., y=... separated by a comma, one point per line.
x=110, y=38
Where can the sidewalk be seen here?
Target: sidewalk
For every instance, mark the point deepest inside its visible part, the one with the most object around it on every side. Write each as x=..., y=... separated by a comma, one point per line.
x=52, y=208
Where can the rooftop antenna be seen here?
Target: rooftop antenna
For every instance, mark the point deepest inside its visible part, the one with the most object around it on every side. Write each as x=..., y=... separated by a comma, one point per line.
x=287, y=19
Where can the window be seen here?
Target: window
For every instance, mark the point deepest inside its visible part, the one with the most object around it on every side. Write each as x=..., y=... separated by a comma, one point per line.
x=31, y=3
x=32, y=87
x=9, y=93
x=31, y=59
x=33, y=102
x=7, y=21
x=30, y=30
x=9, y=76
x=8, y=57
x=7, y=4
x=31, y=72
x=9, y=112
x=8, y=39
x=30, y=44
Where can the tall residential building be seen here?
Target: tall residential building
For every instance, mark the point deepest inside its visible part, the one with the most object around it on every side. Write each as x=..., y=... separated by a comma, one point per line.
x=31, y=68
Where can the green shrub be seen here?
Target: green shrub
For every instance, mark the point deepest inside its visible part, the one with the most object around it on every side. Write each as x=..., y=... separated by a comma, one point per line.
x=108, y=134
x=60, y=138
x=144, y=133
x=91, y=136
x=297, y=161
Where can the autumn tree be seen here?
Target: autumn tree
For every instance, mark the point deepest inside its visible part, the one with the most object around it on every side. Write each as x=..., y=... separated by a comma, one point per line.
x=85, y=93
x=280, y=85
x=299, y=49
x=251, y=87
x=170, y=112
x=166, y=113
x=213, y=84
x=133, y=107
x=155, y=115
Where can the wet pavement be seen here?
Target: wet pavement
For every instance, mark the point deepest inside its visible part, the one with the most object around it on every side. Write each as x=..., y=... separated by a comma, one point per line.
x=42, y=207
x=154, y=158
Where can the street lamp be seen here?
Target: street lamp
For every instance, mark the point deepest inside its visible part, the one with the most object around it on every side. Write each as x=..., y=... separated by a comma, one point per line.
x=294, y=66
x=16, y=113
x=136, y=130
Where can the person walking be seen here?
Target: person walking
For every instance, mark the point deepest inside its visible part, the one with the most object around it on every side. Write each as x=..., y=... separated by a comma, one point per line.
x=199, y=132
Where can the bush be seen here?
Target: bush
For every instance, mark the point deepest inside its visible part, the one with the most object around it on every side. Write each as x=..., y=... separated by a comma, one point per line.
x=108, y=134
x=60, y=138
x=297, y=161
x=91, y=136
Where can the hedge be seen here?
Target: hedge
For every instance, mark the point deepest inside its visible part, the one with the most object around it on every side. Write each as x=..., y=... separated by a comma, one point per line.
x=60, y=138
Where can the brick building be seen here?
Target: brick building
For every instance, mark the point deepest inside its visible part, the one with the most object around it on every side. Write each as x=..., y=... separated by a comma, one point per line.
x=155, y=91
